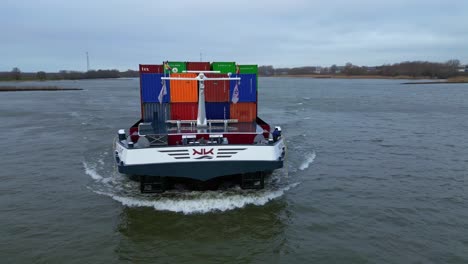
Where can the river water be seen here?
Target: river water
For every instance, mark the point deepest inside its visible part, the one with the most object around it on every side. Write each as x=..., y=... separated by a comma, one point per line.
x=377, y=172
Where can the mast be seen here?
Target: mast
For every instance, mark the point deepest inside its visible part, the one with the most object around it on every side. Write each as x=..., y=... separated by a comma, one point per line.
x=201, y=118
x=87, y=61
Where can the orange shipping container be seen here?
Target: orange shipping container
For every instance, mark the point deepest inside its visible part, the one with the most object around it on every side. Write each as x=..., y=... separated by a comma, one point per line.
x=184, y=91
x=244, y=112
x=217, y=91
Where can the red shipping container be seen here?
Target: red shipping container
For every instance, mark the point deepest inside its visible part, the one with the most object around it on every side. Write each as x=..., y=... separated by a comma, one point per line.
x=216, y=91
x=184, y=111
x=244, y=112
x=147, y=68
x=198, y=66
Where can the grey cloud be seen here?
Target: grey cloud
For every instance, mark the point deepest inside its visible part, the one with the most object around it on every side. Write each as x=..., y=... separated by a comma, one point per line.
x=53, y=35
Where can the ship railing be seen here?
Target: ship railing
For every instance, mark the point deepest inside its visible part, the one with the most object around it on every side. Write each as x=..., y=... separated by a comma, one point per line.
x=214, y=139
x=202, y=77
x=157, y=140
x=201, y=71
x=193, y=123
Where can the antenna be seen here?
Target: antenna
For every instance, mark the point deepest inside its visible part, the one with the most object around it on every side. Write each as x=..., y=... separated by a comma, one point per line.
x=201, y=57
x=87, y=61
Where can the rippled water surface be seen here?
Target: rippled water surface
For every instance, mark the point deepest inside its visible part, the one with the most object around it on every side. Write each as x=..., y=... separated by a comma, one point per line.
x=376, y=173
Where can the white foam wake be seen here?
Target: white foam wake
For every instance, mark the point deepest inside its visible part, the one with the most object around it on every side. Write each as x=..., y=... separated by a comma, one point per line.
x=309, y=159
x=202, y=202
x=126, y=192
x=92, y=172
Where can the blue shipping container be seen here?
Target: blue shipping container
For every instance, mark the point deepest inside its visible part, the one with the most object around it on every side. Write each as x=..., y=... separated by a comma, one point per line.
x=217, y=110
x=151, y=85
x=247, y=87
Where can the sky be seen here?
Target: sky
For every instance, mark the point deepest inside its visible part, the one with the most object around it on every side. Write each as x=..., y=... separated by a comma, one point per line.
x=53, y=35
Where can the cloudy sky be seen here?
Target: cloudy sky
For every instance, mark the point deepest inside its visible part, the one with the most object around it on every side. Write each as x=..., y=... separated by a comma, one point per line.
x=54, y=35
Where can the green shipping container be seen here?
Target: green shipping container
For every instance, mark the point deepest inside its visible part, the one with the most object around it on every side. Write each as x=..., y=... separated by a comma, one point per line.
x=224, y=67
x=248, y=69
x=176, y=67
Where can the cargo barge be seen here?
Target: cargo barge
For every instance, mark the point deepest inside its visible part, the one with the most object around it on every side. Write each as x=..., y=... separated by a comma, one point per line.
x=199, y=123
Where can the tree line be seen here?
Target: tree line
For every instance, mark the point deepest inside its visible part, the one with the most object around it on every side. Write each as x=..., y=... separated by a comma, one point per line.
x=424, y=69
x=18, y=75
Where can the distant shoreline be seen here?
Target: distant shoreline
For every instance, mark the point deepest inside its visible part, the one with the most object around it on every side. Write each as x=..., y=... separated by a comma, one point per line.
x=329, y=76
x=453, y=80
x=35, y=88
x=443, y=82
x=447, y=81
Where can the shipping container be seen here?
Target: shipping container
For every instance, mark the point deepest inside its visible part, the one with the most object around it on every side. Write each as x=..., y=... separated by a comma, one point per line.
x=198, y=66
x=246, y=88
x=175, y=67
x=152, y=88
x=184, y=111
x=224, y=67
x=248, y=69
x=156, y=112
x=184, y=91
x=148, y=68
x=244, y=112
x=216, y=91
x=217, y=110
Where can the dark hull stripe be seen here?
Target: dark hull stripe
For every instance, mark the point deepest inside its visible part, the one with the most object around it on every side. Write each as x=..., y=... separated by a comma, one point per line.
x=177, y=150
x=231, y=149
x=201, y=170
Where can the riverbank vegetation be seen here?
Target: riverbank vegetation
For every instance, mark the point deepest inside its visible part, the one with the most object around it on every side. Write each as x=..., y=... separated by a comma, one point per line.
x=35, y=88
x=402, y=70
x=17, y=75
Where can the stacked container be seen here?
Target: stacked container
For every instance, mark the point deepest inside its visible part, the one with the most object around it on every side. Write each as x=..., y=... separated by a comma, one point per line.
x=178, y=99
x=175, y=67
x=154, y=94
x=224, y=67
x=198, y=66
x=184, y=91
x=243, y=94
x=248, y=69
x=156, y=112
x=246, y=88
x=152, y=88
x=244, y=112
x=220, y=110
x=184, y=97
x=184, y=111
x=217, y=90
x=217, y=97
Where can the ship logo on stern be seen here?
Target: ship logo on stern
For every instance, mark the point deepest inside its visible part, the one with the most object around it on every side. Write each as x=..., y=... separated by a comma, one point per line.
x=203, y=153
